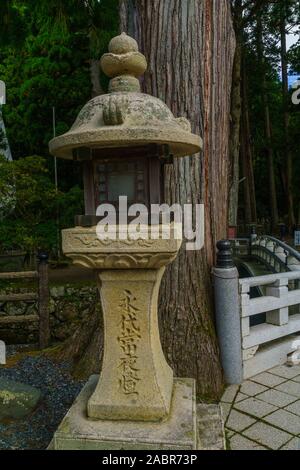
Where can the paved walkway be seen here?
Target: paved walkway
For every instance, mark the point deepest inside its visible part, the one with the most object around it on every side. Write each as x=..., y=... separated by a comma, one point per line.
x=264, y=412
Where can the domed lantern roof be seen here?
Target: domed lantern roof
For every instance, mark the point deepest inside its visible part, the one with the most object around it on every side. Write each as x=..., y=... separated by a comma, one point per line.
x=125, y=117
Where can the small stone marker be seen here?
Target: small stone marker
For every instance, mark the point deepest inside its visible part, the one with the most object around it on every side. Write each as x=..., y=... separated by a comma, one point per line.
x=17, y=400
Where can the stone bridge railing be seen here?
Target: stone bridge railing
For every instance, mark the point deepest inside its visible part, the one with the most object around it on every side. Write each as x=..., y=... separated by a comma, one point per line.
x=267, y=344
x=249, y=347
x=275, y=254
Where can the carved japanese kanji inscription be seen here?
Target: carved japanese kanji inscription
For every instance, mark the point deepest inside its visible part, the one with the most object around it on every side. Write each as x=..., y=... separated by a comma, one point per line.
x=128, y=341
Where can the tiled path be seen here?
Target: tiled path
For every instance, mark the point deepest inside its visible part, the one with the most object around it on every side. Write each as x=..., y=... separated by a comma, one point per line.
x=264, y=412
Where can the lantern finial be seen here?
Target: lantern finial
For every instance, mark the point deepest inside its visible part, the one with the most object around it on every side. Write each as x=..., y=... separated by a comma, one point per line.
x=124, y=64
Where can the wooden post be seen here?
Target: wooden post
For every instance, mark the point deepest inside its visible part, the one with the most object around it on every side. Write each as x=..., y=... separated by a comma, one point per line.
x=44, y=323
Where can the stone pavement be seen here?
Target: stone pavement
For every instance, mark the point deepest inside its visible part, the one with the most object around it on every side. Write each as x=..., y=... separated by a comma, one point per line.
x=210, y=427
x=264, y=412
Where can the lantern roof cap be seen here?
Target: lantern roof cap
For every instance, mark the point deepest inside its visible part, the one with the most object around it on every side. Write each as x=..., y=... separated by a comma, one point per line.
x=125, y=117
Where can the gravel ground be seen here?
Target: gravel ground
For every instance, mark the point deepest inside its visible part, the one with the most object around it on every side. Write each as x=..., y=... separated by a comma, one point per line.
x=58, y=389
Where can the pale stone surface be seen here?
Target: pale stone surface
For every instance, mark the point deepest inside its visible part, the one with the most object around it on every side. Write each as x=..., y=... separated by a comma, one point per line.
x=276, y=398
x=125, y=117
x=178, y=432
x=272, y=426
x=225, y=408
x=268, y=379
x=285, y=420
x=230, y=393
x=86, y=249
x=255, y=407
x=294, y=444
x=238, y=442
x=239, y=421
x=296, y=379
x=294, y=408
x=240, y=397
x=136, y=382
x=269, y=356
x=267, y=435
x=292, y=388
x=228, y=324
x=286, y=372
x=123, y=56
x=210, y=427
x=252, y=389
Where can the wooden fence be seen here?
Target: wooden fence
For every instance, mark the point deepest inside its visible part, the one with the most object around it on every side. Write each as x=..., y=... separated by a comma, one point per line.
x=42, y=295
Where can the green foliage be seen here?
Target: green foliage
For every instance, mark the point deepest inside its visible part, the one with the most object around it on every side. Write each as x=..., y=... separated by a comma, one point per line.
x=294, y=57
x=45, y=52
x=270, y=66
x=48, y=64
x=45, y=74
x=33, y=224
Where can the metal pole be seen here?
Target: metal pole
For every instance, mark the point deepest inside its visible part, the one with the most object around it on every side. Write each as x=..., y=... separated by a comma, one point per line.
x=227, y=308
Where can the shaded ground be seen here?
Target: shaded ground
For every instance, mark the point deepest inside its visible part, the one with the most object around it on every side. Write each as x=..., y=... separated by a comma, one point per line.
x=58, y=389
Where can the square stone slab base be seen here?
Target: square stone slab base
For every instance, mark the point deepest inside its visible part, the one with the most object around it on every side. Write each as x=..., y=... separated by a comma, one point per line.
x=179, y=432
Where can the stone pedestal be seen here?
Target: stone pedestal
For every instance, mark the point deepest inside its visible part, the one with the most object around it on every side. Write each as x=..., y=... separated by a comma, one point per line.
x=136, y=382
x=135, y=404
x=178, y=432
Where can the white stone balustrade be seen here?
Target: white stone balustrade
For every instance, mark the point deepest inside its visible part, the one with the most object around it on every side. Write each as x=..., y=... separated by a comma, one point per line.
x=293, y=264
x=268, y=344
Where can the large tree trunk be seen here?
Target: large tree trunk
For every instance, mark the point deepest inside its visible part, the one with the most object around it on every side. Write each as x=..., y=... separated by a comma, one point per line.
x=190, y=46
x=95, y=78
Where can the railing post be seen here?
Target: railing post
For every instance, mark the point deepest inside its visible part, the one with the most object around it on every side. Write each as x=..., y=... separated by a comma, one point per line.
x=253, y=238
x=43, y=302
x=278, y=290
x=227, y=308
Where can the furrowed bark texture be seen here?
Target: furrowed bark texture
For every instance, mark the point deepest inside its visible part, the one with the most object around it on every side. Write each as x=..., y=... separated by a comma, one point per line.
x=190, y=47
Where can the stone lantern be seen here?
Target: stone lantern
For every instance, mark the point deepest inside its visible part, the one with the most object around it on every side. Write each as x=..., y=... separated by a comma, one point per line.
x=123, y=140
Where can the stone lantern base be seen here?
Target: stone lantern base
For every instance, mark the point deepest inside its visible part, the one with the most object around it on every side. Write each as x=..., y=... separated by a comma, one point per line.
x=135, y=404
x=178, y=432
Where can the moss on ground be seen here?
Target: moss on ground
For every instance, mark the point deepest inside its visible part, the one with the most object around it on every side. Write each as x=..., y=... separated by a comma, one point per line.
x=51, y=352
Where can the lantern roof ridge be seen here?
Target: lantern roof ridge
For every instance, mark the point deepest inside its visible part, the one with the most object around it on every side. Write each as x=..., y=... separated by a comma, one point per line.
x=125, y=117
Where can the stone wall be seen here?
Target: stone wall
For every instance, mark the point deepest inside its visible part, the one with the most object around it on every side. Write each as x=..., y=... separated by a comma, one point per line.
x=68, y=305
